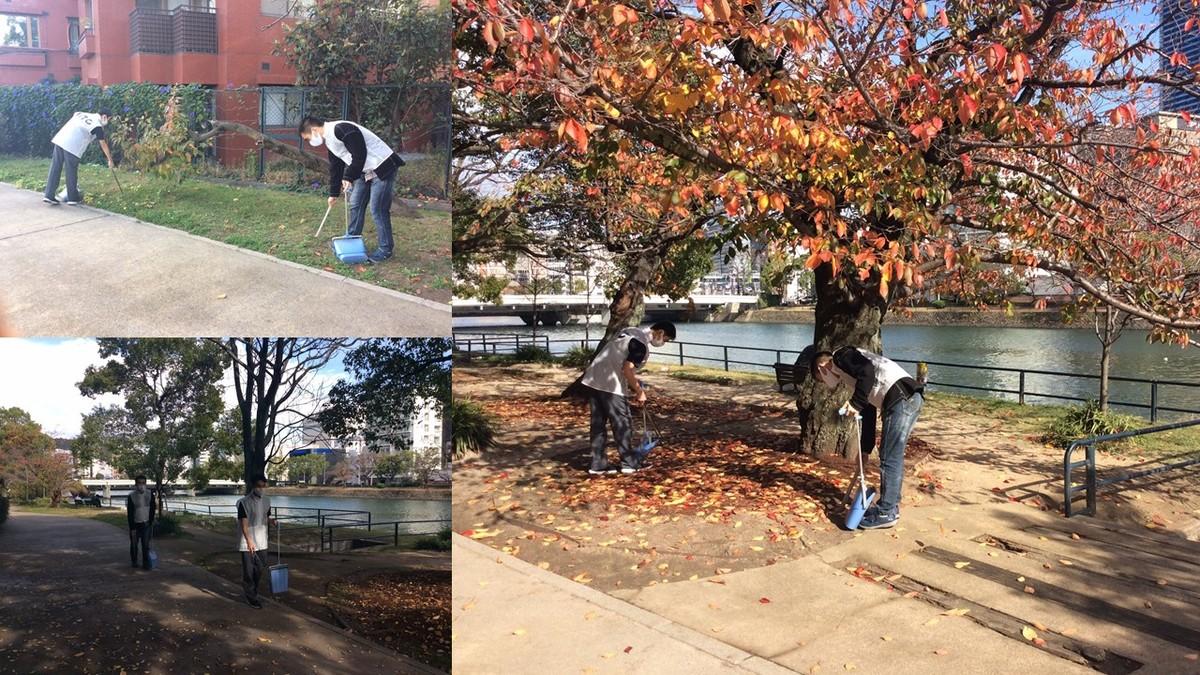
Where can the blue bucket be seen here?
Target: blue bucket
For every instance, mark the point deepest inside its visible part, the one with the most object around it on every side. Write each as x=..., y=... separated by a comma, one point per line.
x=279, y=579
x=153, y=556
x=858, y=507
x=350, y=249
x=647, y=445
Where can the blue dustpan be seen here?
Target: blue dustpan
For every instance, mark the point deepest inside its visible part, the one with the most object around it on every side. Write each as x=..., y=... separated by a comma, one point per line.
x=350, y=249
x=858, y=507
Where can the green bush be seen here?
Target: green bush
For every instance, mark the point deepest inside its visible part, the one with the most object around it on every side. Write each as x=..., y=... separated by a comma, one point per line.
x=576, y=357
x=472, y=428
x=3, y=509
x=167, y=525
x=532, y=354
x=1086, y=421
x=32, y=114
x=938, y=304
x=439, y=542
x=423, y=177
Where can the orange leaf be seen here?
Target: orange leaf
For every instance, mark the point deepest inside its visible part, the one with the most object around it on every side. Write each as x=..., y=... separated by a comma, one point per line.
x=621, y=14
x=526, y=29
x=943, y=21
x=821, y=198
x=764, y=601
x=576, y=132
x=967, y=107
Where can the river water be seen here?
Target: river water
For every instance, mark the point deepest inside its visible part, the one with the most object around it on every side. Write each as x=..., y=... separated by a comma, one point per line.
x=382, y=509
x=1057, y=350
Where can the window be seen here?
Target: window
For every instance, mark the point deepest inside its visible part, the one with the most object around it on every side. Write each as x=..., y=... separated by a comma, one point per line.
x=18, y=30
x=295, y=8
x=73, y=34
x=87, y=9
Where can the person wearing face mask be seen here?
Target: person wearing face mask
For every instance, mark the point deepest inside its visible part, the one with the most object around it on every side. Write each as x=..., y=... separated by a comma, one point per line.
x=879, y=384
x=139, y=512
x=363, y=164
x=71, y=141
x=610, y=380
x=254, y=517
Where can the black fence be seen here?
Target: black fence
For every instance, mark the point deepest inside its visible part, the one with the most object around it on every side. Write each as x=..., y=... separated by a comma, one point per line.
x=729, y=357
x=378, y=533
x=1091, y=484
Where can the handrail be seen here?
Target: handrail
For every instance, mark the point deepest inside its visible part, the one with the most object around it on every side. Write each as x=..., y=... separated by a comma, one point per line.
x=495, y=343
x=1090, y=484
x=331, y=540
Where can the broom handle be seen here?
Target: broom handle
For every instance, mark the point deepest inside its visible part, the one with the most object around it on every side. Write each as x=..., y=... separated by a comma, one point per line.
x=328, y=209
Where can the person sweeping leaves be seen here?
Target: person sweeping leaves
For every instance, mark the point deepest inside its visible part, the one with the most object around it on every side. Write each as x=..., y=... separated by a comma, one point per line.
x=71, y=141
x=610, y=381
x=879, y=385
x=361, y=162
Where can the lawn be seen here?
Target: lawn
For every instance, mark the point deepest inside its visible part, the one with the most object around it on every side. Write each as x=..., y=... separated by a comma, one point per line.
x=278, y=222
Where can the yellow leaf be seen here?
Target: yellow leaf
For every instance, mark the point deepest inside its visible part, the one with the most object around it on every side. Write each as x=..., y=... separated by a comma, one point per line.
x=519, y=632
x=960, y=564
x=955, y=612
x=1028, y=633
x=582, y=578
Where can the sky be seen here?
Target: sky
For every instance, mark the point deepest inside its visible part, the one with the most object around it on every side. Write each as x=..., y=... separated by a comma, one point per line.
x=40, y=377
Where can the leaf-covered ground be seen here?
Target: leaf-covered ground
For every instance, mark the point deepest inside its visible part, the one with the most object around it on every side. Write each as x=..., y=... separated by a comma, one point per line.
x=407, y=611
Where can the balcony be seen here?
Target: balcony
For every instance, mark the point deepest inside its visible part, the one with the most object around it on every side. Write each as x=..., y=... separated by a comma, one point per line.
x=180, y=30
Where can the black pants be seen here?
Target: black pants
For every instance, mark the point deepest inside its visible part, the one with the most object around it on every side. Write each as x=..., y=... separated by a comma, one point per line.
x=140, y=533
x=253, y=565
x=611, y=409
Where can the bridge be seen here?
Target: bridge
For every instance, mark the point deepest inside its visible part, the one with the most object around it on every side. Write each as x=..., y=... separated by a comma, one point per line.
x=107, y=485
x=551, y=310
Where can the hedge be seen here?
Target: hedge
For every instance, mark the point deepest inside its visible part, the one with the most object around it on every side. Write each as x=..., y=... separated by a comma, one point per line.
x=31, y=114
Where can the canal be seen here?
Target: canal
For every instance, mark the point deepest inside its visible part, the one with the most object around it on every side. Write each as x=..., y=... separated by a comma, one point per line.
x=1057, y=350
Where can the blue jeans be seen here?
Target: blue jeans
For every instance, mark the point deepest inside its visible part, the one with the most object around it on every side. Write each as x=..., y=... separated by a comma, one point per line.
x=608, y=408
x=62, y=157
x=898, y=422
x=379, y=194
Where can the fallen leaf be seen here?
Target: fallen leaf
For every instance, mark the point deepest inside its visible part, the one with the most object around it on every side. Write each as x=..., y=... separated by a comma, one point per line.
x=1039, y=642
x=628, y=649
x=1021, y=579
x=1030, y=590
x=764, y=601
x=886, y=638
x=955, y=612
x=221, y=296
x=1075, y=535
x=1028, y=633
x=518, y=632
x=940, y=652
x=1161, y=582
x=582, y=578
x=932, y=621
x=544, y=565
x=264, y=640
x=1066, y=562
x=850, y=666
x=960, y=564
x=1192, y=657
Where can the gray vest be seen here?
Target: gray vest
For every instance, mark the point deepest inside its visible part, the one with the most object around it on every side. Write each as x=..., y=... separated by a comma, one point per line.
x=604, y=374
x=257, y=510
x=141, y=505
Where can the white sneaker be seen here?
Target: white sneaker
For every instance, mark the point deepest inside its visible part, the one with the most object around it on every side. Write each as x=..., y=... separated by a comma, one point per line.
x=601, y=472
x=629, y=470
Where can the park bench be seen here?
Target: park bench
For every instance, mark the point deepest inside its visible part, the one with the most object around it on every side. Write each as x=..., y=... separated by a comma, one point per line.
x=785, y=374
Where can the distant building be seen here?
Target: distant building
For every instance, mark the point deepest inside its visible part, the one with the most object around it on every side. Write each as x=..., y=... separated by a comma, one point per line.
x=1174, y=15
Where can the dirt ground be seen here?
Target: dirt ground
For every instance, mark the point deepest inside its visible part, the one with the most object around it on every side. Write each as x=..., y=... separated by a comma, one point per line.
x=727, y=492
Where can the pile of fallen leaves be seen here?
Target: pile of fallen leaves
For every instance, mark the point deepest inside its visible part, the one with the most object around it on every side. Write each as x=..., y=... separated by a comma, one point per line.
x=715, y=479
x=408, y=611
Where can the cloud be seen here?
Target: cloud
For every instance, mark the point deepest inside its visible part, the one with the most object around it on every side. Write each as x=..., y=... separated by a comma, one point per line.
x=40, y=377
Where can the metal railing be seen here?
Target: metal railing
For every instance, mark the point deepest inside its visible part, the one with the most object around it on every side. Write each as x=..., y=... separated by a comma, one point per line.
x=1090, y=484
x=310, y=516
x=171, y=31
x=471, y=344
x=328, y=538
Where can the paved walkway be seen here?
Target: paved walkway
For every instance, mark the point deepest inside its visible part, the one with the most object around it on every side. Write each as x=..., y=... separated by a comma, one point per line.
x=72, y=603
x=81, y=271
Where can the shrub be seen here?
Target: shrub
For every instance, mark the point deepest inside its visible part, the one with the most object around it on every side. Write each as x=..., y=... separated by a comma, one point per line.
x=1088, y=420
x=438, y=542
x=938, y=304
x=576, y=357
x=32, y=114
x=532, y=354
x=167, y=525
x=472, y=428
x=3, y=509
x=423, y=177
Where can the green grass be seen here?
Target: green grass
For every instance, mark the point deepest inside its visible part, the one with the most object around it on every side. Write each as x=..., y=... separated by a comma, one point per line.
x=114, y=517
x=273, y=221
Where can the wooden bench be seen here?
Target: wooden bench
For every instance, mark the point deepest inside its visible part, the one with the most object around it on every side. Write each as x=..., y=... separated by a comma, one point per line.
x=785, y=374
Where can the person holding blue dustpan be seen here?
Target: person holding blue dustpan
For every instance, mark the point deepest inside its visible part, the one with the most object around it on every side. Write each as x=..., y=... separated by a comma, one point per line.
x=879, y=384
x=361, y=163
x=611, y=381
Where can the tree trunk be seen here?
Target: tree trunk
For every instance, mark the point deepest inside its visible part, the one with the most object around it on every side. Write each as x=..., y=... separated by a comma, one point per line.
x=845, y=317
x=1105, y=352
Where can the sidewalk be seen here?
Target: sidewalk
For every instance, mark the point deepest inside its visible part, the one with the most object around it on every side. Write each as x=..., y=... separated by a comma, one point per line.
x=511, y=617
x=78, y=270
x=72, y=602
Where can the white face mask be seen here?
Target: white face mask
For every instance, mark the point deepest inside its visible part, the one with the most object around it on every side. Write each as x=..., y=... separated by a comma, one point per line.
x=657, y=341
x=316, y=141
x=258, y=492
x=828, y=378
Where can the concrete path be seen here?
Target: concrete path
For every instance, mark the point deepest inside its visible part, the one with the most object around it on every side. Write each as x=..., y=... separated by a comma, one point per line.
x=511, y=617
x=81, y=271
x=72, y=603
